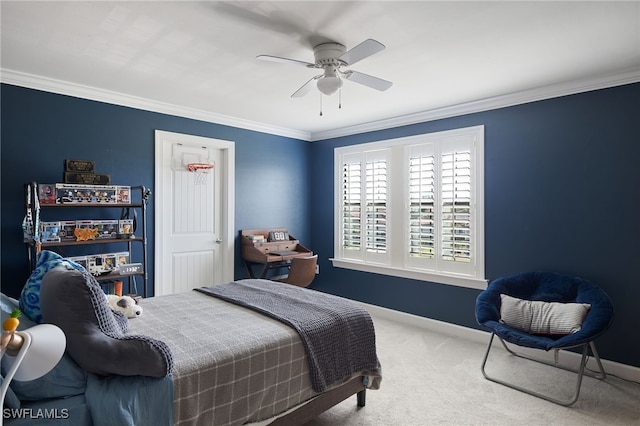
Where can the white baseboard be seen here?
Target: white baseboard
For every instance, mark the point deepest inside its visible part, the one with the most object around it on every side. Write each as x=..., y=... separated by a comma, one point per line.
x=565, y=358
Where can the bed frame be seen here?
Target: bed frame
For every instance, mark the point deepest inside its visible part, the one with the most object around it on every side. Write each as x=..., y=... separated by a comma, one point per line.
x=323, y=402
x=161, y=312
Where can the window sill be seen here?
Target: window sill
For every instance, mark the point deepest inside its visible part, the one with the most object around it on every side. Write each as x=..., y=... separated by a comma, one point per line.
x=450, y=279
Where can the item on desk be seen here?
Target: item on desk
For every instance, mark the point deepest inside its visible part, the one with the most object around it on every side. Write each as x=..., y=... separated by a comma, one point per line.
x=284, y=253
x=278, y=236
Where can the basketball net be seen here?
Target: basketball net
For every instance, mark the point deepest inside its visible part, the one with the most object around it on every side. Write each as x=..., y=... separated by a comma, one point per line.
x=200, y=172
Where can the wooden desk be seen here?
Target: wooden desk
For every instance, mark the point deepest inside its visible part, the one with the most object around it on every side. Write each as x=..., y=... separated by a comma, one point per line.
x=269, y=254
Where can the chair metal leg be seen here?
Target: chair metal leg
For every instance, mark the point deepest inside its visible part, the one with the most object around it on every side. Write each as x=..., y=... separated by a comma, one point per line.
x=580, y=371
x=602, y=375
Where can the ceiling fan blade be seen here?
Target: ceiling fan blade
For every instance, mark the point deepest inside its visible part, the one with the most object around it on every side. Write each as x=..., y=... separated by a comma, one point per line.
x=367, y=80
x=306, y=88
x=363, y=50
x=285, y=60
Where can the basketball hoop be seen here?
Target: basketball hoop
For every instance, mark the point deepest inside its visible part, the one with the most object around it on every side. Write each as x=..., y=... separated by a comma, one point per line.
x=200, y=171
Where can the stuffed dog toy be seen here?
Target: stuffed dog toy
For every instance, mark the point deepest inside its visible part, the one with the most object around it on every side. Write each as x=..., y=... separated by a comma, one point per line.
x=125, y=304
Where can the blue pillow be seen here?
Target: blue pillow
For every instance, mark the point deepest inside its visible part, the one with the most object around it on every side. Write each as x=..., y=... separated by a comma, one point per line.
x=30, y=297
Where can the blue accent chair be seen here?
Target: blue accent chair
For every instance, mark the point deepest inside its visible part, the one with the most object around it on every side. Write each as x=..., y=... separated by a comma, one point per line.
x=546, y=287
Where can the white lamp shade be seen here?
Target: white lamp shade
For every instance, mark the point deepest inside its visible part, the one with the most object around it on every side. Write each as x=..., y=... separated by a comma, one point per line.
x=46, y=345
x=329, y=84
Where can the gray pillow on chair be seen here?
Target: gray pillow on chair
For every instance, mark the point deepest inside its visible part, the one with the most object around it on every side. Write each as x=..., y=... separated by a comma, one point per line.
x=74, y=301
x=534, y=316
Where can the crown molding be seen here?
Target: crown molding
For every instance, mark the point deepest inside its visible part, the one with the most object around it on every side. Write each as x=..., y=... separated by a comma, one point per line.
x=517, y=98
x=86, y=92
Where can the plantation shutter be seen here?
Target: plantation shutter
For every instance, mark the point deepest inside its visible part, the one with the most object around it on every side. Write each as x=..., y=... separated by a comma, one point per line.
x=351, y=206
x=456, y=206
x=376, y=210
x=422, y=192
x=440, y=201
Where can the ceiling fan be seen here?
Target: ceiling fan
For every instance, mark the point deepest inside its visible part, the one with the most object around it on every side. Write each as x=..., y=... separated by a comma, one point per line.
x=332, y=58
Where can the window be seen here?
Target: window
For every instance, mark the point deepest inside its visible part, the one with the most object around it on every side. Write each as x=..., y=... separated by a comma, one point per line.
x=413, y=207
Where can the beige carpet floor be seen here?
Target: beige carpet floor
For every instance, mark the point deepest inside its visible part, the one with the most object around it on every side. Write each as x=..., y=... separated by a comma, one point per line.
x=435, y=379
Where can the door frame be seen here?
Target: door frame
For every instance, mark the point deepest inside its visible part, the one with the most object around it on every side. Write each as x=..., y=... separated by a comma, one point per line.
x=227, y=233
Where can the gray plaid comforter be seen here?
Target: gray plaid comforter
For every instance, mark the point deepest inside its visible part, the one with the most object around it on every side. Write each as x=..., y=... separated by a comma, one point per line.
x=232, y=365
x=337, y=333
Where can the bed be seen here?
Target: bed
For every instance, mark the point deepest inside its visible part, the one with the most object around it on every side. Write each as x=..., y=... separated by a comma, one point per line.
x=213, y=356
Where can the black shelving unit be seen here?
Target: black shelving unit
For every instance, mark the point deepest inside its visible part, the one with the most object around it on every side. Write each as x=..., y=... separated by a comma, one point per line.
x=140, y=196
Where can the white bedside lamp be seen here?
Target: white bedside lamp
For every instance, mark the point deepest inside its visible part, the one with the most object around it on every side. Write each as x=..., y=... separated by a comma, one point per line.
x=31, y=354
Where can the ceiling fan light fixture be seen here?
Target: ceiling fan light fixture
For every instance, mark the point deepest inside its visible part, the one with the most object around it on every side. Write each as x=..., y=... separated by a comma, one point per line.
x=329, y=84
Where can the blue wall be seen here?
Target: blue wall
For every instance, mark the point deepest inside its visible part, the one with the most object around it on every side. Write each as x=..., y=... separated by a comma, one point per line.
x=562, y=193
x=40, y=130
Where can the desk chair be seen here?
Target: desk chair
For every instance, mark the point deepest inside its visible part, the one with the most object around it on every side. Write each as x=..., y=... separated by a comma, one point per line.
x=302, y=271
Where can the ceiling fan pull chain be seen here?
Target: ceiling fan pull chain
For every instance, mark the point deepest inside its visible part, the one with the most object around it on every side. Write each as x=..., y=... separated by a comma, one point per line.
x=340, y=99
x=320, y=104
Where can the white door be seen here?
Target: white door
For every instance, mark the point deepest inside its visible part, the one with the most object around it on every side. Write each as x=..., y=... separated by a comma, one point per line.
x=193, y=213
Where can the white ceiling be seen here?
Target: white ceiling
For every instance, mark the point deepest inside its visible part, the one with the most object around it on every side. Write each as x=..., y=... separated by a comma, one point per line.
x=199, y=58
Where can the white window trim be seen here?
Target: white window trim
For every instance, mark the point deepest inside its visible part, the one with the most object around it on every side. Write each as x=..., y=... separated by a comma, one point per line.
x=396, y=269
x=415, y=274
